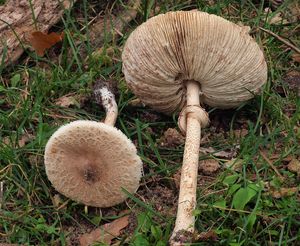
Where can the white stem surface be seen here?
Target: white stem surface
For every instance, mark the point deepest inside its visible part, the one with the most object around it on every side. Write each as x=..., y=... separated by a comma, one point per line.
x=185, y=219
x=108, y=101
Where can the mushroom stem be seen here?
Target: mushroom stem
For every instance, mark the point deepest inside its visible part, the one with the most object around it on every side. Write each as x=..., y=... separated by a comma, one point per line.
x=195, y=117
x=106, y=98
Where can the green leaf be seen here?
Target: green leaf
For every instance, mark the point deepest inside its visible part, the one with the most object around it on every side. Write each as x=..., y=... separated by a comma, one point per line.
x=156, y=232
x=51, y=230
x=237, y=244
x=220, y=203
x=96, y=220
x=161, y=243
x=15, y=80
x=251, y=221
x=229, y=180
x=233, y=188
x=144, y=222
x=196, y=212
x=243, y=196
x=140, y=240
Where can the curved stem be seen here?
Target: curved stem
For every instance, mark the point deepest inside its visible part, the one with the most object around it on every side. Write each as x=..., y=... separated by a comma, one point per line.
x=106, y=98
x=185, y=219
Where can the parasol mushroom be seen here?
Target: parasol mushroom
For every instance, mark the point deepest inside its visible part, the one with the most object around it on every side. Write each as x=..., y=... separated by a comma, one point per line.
x=90, y=162
x=180, y=60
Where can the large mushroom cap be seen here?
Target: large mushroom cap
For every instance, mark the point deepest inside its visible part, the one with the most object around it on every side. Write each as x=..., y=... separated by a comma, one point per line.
x=171, y=48
x=90, y=162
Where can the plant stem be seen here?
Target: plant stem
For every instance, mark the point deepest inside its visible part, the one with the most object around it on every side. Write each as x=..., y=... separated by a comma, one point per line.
x=106, y=98
x=188, y=182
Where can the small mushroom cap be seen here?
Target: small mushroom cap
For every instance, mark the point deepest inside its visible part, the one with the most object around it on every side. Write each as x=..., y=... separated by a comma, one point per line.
x=169, y=49
x=90, y=162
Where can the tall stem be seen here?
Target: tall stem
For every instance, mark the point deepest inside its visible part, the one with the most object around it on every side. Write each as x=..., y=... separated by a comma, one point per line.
x=106, y=98
x=185, y=219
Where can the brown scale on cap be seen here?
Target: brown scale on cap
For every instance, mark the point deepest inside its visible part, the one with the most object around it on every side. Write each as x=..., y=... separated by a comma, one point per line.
x=91, y=162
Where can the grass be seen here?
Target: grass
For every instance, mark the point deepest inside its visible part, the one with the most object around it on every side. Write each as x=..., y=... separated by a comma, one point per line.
x=236, y=205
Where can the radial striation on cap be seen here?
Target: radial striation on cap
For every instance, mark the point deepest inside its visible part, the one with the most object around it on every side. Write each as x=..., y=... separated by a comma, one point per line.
x=91, y=162
x=169, y=49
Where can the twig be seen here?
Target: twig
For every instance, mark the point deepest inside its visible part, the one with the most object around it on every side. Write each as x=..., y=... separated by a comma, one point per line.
x=281, y=39
x=271, y=165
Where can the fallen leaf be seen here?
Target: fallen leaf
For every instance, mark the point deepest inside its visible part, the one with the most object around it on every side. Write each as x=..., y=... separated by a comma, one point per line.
x=209, y=166
x=25, y=138
x=171, y=138
x=106, y=233
x=294, y=166
x=42, y=41
x=68, y=100
x=296, y=57
x=229, y=154
x=207, y=236
x=234, y=164
x=284, y=192
x=277, y=19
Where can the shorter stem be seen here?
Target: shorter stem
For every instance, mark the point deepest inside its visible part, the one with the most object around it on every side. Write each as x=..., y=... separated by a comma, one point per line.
x=106, y=98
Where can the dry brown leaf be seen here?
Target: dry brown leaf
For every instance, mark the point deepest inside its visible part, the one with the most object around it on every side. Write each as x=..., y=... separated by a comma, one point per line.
x=70, y=99
x=277, y=19
x=209, y=166
x=296, y=57
x=105, y=233
x=42, y=41
x=171, y=138
x=294, y=166
x=223, y=154
x=284, y=192
x=25, y=138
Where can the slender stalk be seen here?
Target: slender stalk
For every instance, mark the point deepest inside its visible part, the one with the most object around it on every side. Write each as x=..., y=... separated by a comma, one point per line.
x=106, y=98
x=195, y=117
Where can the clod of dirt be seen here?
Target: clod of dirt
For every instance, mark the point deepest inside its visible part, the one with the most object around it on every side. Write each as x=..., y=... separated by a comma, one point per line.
x=240, y=133
x=209, y=166
x=292, y=78
x=207, y=236
x=294, y=166
x=162, y=198
x=284, y=192
x=176, y=178
x=171, y=138
x=149, y=116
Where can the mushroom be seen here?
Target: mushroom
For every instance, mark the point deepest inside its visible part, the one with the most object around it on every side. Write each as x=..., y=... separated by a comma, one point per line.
x=90, y=162
x=180, y=60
